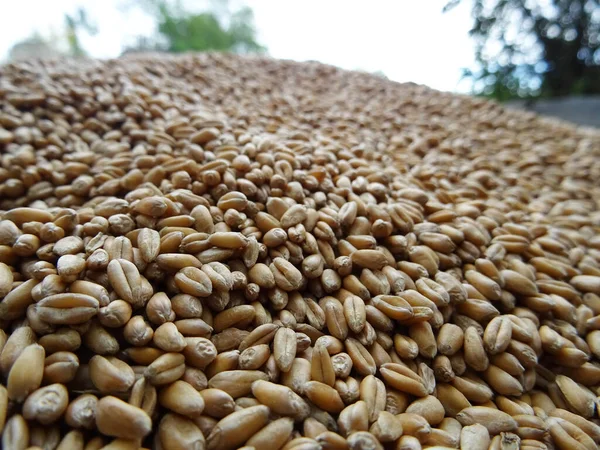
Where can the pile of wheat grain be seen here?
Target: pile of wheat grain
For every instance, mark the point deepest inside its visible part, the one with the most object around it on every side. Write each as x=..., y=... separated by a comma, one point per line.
x=221, y=252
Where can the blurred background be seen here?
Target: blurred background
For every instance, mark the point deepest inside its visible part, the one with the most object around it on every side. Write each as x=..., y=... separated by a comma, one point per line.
x=542, y=55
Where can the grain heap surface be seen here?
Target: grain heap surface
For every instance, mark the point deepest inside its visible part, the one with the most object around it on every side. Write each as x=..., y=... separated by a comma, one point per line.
x=223, y=252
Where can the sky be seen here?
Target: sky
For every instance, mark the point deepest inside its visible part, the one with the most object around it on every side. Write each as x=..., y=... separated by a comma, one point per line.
x=407, y=40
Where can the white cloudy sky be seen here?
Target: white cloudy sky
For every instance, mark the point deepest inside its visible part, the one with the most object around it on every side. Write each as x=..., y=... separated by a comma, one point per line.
x=408, y=40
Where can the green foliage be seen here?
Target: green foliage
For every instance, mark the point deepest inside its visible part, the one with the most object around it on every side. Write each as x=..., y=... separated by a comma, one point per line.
x=180, y=30
x=535, y=48
x=64, y=43
x=74, y=23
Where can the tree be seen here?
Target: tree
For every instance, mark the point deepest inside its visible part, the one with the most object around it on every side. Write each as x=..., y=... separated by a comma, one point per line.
x=65, y=42
x=74, y=23
x=531, y=48
x=220, y=30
